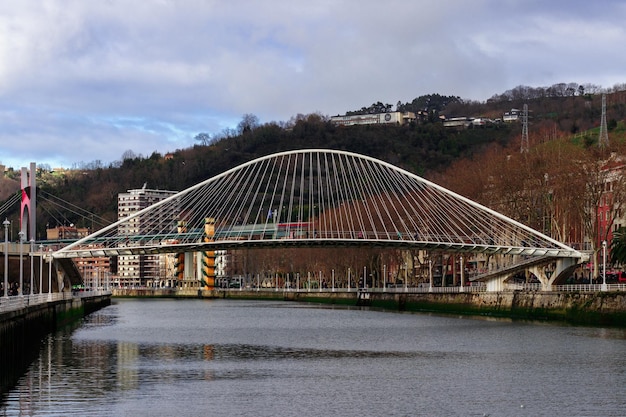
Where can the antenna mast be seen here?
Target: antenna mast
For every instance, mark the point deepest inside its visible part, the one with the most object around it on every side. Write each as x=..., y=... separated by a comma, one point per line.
x=525, y=129
x=603, y=140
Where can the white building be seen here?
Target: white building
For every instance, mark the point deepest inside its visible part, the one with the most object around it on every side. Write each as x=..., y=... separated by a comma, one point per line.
x=138, y=270
x=512, y=116
x=458, y=122
x=398, y=118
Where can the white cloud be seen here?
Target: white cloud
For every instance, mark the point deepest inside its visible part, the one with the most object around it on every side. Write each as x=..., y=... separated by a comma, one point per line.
x=81, y=81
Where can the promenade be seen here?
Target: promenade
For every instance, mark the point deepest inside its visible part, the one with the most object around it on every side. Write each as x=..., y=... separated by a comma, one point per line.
x=17, y=302
x=575, y=304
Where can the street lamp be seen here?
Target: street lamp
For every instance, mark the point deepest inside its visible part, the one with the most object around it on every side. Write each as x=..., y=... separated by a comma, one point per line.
x=406, y=284
x=365, y=277
x=21, y=239
x=604, y=265
x=6, y=224
x=384, y=277
x=49, y=273
x=40, y=268
x=430, y=275
x=461, y=266
x=31, y=291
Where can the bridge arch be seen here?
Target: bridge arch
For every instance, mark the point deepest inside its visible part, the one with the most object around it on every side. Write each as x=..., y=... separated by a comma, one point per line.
x=317, y=197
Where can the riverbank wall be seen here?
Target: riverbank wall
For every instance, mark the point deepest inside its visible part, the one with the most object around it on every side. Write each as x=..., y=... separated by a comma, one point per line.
x=600, y=308
x=591, y=308
x=22, y=330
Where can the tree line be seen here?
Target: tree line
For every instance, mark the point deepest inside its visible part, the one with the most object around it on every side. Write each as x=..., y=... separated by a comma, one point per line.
x=559, y=123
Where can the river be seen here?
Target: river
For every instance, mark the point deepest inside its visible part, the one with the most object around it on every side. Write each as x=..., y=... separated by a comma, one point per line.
x=160, y=357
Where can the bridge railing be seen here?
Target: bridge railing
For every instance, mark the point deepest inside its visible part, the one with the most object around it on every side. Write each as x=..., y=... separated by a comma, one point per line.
x=424, y=288
x=16, y=302
x=392, y=290
x=588, y=287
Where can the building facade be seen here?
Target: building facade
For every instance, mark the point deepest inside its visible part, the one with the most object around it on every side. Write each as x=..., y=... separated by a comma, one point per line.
x=610, y=212
x=94, y=270
x=140, y=270
x=397, y=118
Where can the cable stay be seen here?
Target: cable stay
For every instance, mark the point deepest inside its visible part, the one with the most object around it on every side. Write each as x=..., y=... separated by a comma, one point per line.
x=316, y=197
x=66, y=206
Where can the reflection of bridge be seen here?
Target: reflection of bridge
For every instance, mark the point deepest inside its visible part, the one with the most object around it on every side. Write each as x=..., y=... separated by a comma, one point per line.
x=321, y=198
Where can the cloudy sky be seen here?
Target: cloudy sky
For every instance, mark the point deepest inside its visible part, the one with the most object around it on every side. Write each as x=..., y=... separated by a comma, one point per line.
x=84, y=81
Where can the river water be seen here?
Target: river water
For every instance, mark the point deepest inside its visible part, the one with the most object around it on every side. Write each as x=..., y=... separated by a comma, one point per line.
x=261, y=358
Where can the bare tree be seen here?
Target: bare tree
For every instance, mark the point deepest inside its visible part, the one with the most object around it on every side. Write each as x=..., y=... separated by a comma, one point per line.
x=248, y=123
x=128, y=154
x=203, y=138
x=601, y=184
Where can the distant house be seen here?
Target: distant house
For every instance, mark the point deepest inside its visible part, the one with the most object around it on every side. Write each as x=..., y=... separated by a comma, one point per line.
x=464, y=122
x=512, y=116
x=398, y=118
x=457, y=122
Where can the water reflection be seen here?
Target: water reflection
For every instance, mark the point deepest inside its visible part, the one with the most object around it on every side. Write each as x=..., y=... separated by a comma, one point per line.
x=283, y=359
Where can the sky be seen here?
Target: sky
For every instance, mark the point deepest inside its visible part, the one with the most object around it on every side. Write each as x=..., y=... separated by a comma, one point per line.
x=87, y=81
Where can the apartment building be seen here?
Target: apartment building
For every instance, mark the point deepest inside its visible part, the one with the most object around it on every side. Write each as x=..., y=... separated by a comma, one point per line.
x=139, y=270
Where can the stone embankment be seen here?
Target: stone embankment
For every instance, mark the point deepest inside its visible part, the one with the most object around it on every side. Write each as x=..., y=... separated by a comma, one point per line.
x=594, y=308
x=22, y=330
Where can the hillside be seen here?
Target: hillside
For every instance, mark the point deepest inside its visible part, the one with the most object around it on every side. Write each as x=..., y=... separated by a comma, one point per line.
x=425, y=148
x=420, y=149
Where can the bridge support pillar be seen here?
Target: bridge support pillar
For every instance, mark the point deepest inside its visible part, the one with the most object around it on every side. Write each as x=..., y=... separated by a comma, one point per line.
x=557, y=271
x=496, y=284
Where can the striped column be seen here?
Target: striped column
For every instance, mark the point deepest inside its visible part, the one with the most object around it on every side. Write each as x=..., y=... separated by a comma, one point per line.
x=180, y=257
x=208, y=256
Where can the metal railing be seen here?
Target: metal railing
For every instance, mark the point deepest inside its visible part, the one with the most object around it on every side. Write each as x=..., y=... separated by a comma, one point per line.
x=393, y=290
x=531, y=287
x=588, y=287
x=17, y=302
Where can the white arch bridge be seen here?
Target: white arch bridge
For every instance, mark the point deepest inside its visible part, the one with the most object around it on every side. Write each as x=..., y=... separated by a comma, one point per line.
x=316, y=197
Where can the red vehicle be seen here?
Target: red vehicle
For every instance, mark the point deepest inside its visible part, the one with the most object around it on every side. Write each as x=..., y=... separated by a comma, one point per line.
x=621, y=277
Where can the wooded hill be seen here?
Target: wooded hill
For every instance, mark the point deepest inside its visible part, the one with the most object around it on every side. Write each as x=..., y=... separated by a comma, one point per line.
x=425, y=148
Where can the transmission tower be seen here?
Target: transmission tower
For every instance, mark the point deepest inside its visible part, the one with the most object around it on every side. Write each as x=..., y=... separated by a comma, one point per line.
x=603, y=140
x=525, y=129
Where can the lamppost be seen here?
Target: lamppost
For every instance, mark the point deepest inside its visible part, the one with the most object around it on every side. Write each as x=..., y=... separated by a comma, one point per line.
x=320, y=282
x=430, y=275
x=31, y=290
x=6, y=224
x=365, y=277
x=604, y=265
x=462, y=273
x=49, y=273
x=40, y=268
x=21, y=239
x=406, y=284
x=384, y=277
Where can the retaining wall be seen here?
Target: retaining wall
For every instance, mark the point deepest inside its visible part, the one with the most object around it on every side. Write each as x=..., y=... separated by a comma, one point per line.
x=597, y=308
x=22, y=330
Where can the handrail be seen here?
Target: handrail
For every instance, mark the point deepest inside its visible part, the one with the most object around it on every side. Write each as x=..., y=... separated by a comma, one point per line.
x=531, y=287
x=17, y=302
